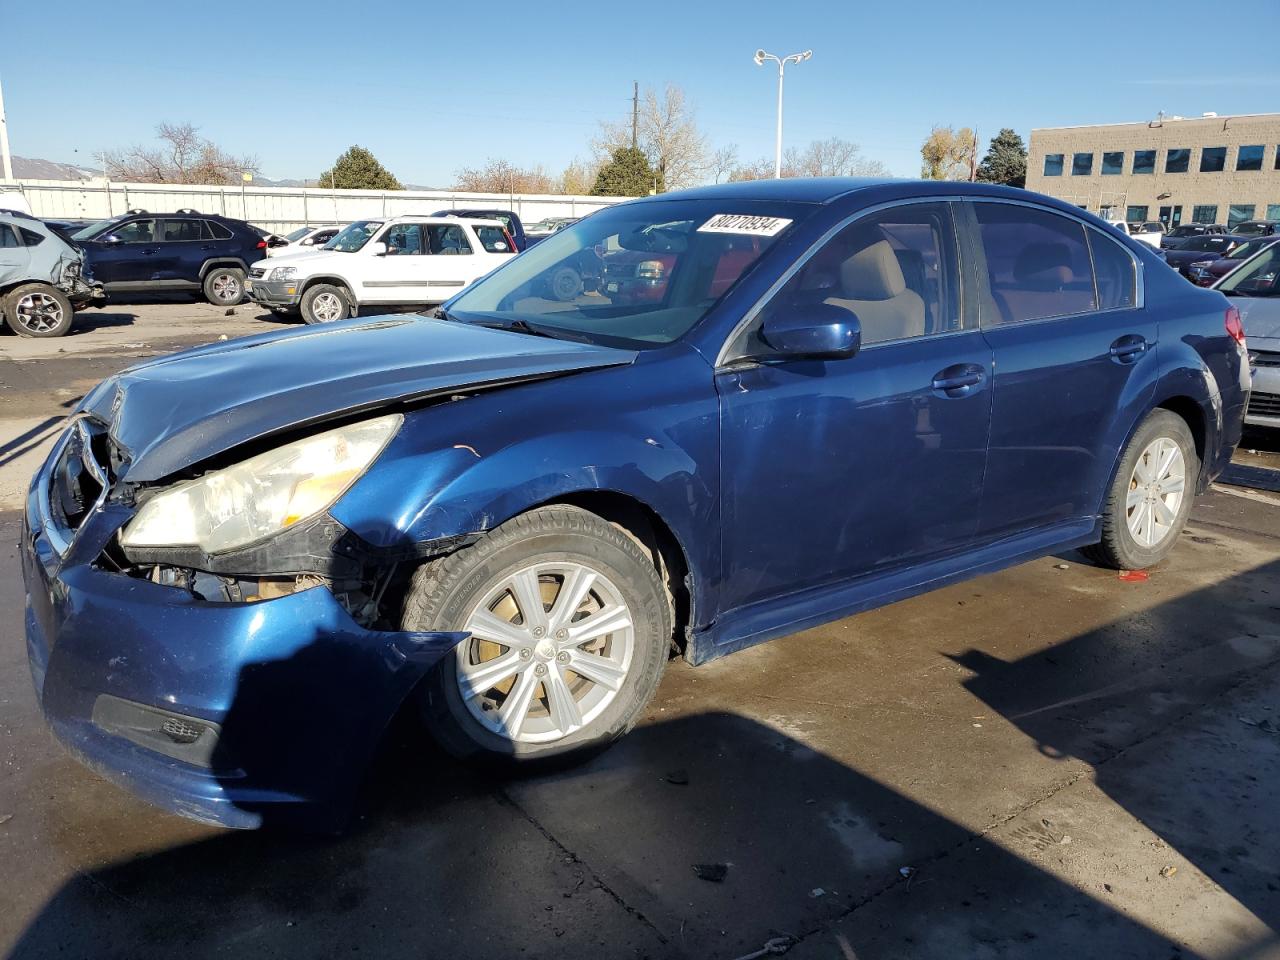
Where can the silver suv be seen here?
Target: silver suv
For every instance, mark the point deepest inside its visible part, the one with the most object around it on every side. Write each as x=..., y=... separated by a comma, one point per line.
x=43, y=278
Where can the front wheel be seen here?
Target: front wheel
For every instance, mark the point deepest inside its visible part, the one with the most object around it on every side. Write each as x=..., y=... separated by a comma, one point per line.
x=1150, y=497
x=38, y=310
x=570, y=626
x=325, y=303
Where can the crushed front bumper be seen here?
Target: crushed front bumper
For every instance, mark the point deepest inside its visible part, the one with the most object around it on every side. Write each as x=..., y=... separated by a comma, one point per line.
x=230, y=713
x=274, y=293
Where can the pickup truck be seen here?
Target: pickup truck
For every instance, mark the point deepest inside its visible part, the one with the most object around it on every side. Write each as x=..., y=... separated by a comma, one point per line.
x=399, y=261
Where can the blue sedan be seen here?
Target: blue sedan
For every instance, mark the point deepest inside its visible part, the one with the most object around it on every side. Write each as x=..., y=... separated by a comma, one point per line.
x=241, y=561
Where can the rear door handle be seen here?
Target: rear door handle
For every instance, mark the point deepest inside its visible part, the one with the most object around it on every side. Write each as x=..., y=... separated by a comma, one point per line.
x=1128, y=348
x=959, y=380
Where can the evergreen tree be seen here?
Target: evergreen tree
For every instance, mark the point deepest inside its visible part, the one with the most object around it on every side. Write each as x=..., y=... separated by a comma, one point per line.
x=1006, y=160
x=627, y=174
x=358, y=169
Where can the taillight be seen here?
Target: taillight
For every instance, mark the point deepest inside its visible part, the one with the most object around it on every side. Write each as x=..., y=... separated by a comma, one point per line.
x=1235, y=329
x=262, y=244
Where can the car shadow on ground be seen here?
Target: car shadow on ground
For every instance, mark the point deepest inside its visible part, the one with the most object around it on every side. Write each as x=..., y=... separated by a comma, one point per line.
x=712, y=834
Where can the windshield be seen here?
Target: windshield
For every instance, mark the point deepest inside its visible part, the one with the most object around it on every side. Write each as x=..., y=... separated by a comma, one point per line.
x=1249, y=229
x=355, y=236
x=636, y=274
x=293, y=236
x=1185, y=231
x=87, y=233
x=1259, y=277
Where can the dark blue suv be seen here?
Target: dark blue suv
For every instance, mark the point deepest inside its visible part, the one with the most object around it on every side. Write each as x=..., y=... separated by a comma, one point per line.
x=242, y=560
x=186, y=250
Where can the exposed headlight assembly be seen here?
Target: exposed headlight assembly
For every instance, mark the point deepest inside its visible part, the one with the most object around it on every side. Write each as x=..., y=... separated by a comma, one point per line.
x=231, y=508
x=283, y=273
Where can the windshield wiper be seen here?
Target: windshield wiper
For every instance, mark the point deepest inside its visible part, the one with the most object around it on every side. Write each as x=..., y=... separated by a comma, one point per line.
x=516, y=325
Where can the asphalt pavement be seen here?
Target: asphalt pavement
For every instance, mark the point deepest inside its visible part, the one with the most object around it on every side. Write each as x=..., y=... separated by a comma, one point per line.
x=1047, y=761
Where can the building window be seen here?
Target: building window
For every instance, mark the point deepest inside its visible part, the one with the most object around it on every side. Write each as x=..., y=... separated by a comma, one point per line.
x=1177, y=161
x=1212, y=159
x=1239, y=213
x=1053, y=164
x=1113, y=163
x=1278, y=158
x=1135, y=214
x=1081, y=164
x=1205, y=213
x=1144, y=161
x=1273, y=211
x=1250, y=158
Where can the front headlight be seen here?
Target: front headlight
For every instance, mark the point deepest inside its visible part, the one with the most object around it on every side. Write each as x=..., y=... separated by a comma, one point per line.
x=268, y=493
x=650, y=270
x=283, y=273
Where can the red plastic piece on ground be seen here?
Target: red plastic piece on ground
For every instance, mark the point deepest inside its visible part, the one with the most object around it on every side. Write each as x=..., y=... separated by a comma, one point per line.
x=1134, y=576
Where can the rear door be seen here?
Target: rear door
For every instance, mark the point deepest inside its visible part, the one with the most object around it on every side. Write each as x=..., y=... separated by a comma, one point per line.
x=185, y=243
x=1075, y=362
x=14, y=259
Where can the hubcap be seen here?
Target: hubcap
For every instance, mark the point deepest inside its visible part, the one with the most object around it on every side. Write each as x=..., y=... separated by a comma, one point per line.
x=39, y=313
x=326, y=307
x=226, y=286
x=1156, y=490
x=550, y=648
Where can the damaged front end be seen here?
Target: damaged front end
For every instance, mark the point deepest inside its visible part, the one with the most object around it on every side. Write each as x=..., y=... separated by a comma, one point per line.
x=72, y=277
x=236, y=687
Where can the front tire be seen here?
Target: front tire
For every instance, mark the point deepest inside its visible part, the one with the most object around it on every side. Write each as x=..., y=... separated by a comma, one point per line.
x=570, y=627
x=325, y=303
x=224, y=286
x=38, y=310
x=1150, y=497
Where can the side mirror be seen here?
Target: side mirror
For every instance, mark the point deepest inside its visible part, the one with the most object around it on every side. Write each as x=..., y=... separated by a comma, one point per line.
x=110, y=238
x=378, y=249
x=820, y=331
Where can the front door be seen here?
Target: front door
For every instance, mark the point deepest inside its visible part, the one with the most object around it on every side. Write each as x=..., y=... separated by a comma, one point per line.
x=837, y=469
x=1073, y=351
x=129, y=253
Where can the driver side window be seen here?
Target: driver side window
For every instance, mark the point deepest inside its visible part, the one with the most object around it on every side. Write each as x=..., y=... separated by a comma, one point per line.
x=136, y=231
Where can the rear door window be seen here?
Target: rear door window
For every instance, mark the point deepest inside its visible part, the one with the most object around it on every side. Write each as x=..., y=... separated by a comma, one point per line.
x=8, y=238
x=447, y=239
x=493, y=239
x=178, y=231
x=1038, y=263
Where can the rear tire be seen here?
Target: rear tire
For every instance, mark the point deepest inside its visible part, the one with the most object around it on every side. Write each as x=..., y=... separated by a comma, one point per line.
x=325, y=303
x=1150, y=497
x=224, y=286
x=471, y=701
x=38, y=310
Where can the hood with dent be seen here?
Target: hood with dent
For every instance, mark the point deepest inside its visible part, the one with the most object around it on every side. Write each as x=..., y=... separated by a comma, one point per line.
x=173, y=412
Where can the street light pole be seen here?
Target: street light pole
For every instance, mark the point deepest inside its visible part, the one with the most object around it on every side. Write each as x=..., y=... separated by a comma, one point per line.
x=782, y=62
x=6, y=161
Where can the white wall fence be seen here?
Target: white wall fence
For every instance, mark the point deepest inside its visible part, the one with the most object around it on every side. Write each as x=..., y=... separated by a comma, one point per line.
x=276, y=208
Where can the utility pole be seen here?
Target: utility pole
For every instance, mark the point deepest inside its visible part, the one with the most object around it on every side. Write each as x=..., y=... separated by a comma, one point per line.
x=7, y=160
x=635, y=114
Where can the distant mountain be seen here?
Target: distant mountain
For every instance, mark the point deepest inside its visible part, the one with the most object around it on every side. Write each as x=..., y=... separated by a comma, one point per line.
x=28, y=168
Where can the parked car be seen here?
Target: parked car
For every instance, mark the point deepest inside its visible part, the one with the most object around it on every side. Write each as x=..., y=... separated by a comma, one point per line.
x=185, y=250
x=401, y=261
x=302, y=239
x=535, y=232
x=1199, y=250
x=1176, y=237
x=1254, y=289
x=43, y=278
x=509, y=220
x=1257, y=228
x=1150, y=232
x=504, y=518
x=1205, y=273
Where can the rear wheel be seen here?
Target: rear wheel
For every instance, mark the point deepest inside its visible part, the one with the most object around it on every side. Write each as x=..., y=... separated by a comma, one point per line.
x=570, y=627
x=224, y=286
x=1151, y=495
x=325, y=303
x=38, y=310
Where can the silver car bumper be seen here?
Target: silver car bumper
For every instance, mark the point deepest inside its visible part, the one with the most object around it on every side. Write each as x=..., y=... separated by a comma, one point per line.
x=1264, y=400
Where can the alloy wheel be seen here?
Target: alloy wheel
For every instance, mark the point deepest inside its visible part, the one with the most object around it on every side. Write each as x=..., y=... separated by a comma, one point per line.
x=1156, y=490
x=550, y=648
x=327, y=307
x=38, y=313
x=226, y=286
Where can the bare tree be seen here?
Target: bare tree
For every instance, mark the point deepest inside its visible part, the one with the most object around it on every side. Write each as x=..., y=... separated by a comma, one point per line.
x=948, y=154
x=724, y=161
x=821, y=158
x=578, y=177
x=502, y=176
x=668, y=136
x=183, y=157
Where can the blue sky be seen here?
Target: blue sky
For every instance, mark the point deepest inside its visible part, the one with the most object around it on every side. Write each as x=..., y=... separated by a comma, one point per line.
x=296, y=83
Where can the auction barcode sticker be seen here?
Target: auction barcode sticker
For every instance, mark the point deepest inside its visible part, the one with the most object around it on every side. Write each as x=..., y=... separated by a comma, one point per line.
x=742, y=223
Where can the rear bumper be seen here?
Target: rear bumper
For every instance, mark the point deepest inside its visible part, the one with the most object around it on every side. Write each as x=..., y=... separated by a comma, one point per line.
x=229, y=713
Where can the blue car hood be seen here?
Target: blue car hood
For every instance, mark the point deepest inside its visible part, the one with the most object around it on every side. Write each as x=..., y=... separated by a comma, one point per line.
x=175, y=411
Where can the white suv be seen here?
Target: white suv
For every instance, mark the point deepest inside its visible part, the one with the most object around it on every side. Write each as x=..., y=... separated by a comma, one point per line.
x=409, y=261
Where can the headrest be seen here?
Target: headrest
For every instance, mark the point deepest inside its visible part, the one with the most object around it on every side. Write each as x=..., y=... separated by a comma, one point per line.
x=873, y=273
x=1045, y=265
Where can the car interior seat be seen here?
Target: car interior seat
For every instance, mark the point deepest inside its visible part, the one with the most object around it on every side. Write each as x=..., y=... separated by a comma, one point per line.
x=872, y=285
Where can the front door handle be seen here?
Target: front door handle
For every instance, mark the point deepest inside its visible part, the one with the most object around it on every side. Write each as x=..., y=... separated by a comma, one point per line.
x=959, y=380
x=149, y=251
x=1129, y=348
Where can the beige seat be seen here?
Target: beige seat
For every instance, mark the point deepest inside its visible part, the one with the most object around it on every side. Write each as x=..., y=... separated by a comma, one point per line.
x=873, y=287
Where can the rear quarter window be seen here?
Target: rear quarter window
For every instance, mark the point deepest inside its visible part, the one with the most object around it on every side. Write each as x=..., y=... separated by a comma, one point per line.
x=493, y=239
x=30, y=238
x=218, y=230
